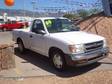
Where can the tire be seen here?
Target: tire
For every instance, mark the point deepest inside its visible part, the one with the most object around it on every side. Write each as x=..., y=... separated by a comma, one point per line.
x=58, y=60
x=21, y=46
x=4, y=29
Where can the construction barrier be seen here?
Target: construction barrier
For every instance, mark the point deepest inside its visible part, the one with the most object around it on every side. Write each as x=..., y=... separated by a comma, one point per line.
x=7, y=58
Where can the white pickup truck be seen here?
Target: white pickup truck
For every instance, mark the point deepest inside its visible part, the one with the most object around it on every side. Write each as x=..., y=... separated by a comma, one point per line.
x=62, y=42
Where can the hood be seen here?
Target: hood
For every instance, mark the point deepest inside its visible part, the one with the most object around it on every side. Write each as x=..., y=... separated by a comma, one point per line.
x=77, y=37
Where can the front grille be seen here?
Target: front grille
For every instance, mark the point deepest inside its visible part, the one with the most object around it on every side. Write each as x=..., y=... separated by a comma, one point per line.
x=93, y=46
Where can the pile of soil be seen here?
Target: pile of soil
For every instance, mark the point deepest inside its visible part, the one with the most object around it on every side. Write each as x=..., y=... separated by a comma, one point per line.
x=99, y=24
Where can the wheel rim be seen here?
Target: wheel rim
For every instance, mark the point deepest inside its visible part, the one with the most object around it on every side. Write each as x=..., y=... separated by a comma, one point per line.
x=4, y=29
x=20, y=46
x=57, y=60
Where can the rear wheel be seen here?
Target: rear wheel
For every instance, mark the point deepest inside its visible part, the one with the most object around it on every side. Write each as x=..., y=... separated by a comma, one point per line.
x=4, y=29
x=58, y=60
x=21, y=46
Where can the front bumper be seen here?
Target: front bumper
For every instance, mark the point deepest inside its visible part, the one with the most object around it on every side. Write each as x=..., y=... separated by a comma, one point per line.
x=86, y=58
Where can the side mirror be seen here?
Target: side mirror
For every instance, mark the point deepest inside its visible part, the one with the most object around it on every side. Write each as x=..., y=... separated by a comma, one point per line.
x=40, y=32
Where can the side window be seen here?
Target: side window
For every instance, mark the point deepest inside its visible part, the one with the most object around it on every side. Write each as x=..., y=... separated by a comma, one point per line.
x=37, y=25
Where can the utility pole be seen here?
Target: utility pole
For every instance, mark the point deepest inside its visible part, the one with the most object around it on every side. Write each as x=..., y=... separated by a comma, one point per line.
x=34, y=6
x=24, y=8
x=24, y=12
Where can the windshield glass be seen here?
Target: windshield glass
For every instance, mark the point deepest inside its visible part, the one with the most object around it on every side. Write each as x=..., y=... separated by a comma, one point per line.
x=60, y=25
x=1, y=20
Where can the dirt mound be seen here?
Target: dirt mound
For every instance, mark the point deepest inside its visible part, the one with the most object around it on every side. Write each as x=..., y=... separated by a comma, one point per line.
x=99, y=24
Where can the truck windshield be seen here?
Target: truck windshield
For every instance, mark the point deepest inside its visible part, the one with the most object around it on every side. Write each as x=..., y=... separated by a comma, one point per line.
x=60, y=25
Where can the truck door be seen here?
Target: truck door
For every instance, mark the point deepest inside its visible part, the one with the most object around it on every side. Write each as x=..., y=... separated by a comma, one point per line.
x=14, y=25
x=38, y=40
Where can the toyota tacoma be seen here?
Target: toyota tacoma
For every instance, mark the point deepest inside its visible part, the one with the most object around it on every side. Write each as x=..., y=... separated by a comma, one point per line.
x=62, y=42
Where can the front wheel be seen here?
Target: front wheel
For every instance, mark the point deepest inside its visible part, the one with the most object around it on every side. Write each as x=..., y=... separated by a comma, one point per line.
x=58, y=60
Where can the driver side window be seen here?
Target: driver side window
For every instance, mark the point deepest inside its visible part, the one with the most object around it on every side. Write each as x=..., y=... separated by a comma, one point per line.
x=37, y=26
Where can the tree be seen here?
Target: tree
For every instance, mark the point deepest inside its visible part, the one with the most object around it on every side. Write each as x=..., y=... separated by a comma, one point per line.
x=70, y=16
x=95, y=10
x=83, y=13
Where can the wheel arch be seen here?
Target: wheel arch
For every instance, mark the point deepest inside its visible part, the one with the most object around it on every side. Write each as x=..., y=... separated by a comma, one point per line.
x=18, y=39
x=51, y=49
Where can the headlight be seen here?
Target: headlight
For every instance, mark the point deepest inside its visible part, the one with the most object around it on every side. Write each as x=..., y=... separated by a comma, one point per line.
x=72, y=48
x=80, y=48
x=105, y=43
x=76, y=48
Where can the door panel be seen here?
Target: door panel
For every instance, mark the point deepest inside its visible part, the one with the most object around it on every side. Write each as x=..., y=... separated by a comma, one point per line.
x=38, y=41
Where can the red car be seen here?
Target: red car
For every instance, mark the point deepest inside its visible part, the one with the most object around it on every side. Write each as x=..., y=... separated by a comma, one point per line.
x=10, y=25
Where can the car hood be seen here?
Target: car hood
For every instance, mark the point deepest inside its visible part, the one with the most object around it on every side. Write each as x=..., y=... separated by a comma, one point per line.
x=77, y=37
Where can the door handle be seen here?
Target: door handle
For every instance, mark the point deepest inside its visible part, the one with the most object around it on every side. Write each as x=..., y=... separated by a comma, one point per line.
x=31, y=36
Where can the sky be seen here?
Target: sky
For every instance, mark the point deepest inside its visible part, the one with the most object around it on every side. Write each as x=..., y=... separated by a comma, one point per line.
x=42, y=4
